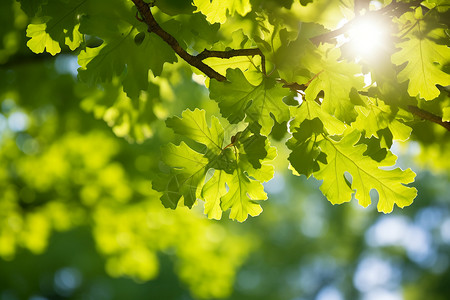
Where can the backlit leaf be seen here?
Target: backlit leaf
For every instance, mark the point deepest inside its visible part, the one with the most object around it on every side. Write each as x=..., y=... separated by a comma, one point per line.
x=41, y=40
x=304, y=146
x=192, y=124
x=335, y=78
x=344, y=156
x=375, y=117
x=242, y=196
x=216, y=10
x=424, y=59
x=309, y=110
x=238, y=98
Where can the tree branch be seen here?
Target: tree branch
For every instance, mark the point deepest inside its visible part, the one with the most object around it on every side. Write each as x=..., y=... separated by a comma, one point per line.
x=194, y=60
x=153, y=26
x=428, y=116
x=233, y=53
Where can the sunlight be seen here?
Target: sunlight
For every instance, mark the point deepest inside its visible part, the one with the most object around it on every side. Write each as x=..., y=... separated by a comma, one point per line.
x=367, y=36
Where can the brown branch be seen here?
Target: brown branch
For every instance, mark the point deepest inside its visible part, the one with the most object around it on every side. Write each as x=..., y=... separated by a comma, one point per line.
x=153, y=26
x=194, y=60
x=233, y=53
x=428, y=116
x=395, y=8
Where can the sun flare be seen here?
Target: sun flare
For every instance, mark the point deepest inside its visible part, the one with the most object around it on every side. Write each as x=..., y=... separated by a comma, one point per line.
x=367, y=37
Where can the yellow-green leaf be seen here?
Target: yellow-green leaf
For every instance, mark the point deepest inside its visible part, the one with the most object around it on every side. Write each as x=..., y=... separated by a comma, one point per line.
x=424, y=57
x=216, y=10
x=378, y=116
x=446, y=115
x=41, y=40
x=238, y=98
x=213, y=190
x=310, y=110
x=335, y=78
x=344, y=156
x=74, y=40
x=242, y=196
x=192, y=124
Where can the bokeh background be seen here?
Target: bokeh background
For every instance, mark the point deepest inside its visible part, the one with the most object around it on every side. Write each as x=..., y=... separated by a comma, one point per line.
x=79, y=220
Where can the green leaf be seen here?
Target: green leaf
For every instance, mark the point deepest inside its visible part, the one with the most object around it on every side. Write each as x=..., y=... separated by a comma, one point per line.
x=446, y=114
x=212, y=192
x=65, y=21
x=41, y=40
x=423, y=70
x=216, y=10
x=304, y=146
x=56, y=24
x=249, y=65
x=255, y=156
x=325, y=12
x=375, y=117
x=238, y=98
x=194, y=31
x=424, y=59
x=336, y=79
x=272, y=35
x=192, y=125
x=175, y=7
x=243, y=196
x=254, y=148
x=139, y=38
x=101, y=64
x=31, y=7
x=188, y=170
x=345, y=156
x=309, y=110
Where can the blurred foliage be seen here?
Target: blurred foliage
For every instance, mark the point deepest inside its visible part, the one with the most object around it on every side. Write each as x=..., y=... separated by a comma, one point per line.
x=79, y=220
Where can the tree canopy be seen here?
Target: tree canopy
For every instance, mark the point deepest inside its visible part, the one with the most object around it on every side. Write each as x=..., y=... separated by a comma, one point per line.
x=113, y=111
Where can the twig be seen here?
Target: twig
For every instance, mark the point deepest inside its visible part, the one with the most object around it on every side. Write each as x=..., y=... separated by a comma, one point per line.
x=314, y=77
x=293, y=86
x=428, y=116
x=233, y=53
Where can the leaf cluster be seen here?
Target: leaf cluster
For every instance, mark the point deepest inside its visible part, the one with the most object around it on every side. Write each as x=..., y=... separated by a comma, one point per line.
x=342, y=113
